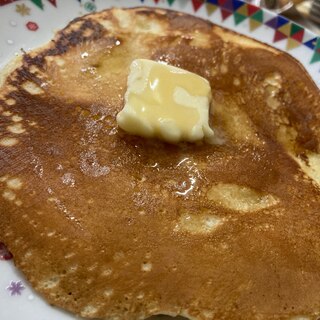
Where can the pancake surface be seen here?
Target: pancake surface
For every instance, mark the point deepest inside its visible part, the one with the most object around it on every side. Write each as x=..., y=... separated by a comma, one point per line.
x=113, y=226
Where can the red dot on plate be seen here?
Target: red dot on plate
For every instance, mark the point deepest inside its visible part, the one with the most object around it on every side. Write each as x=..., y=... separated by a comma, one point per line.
x=32, y=26
x=4, y=253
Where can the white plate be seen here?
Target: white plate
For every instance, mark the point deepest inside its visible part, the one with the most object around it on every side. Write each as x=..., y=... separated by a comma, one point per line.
x=28, y=24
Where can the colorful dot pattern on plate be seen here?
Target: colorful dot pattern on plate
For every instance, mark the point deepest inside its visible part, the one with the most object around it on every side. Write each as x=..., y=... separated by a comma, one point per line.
x=15, y=288
x=29, y=23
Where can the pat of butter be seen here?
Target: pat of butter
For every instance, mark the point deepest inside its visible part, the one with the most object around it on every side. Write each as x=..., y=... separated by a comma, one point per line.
x=165, y=102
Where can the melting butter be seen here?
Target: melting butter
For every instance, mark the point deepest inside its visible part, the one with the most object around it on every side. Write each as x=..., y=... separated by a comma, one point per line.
x=165, y=102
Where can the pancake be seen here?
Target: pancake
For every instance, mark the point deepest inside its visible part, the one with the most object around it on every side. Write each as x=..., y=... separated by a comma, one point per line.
x=112, y=226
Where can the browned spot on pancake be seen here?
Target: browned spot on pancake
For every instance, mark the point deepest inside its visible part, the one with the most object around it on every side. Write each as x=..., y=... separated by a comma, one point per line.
x=7, y=113
x=114, y=226
x=8, y=142
x=16, y=128
x=10, y=102
x=8, y=195
x=14, y=183
x=16, y=118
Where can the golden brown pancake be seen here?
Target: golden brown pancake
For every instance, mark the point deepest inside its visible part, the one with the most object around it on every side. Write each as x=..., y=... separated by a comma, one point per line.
x=113, y=226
